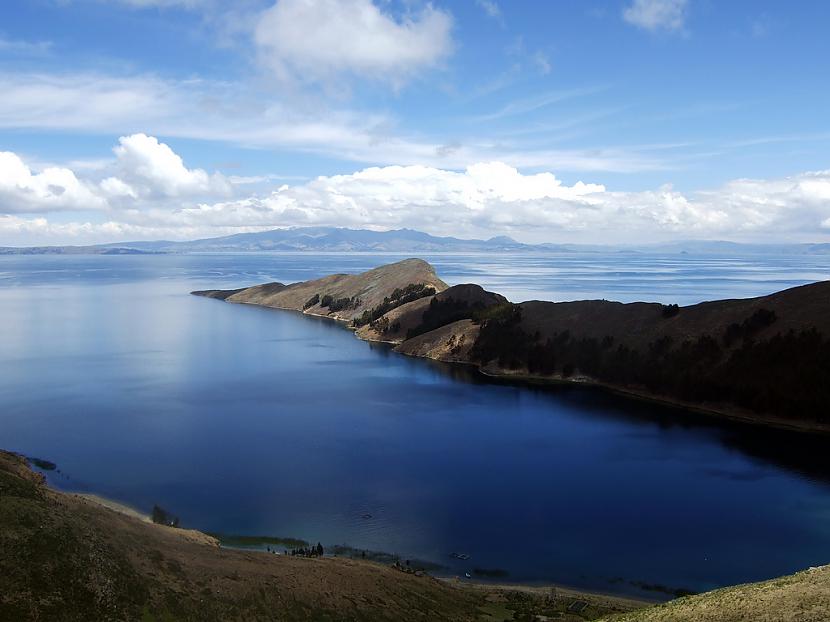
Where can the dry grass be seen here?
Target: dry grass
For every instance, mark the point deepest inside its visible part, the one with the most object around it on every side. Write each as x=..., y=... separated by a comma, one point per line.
x=67, y=557
x=802, y=597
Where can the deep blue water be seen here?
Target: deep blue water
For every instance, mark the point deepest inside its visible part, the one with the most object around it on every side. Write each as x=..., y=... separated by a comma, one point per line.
x=248, y=420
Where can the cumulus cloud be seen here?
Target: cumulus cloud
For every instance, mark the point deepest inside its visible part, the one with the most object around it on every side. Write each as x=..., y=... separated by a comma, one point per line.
x=152, y=197
x=492, y=198
x=145, y=172
x=325, y=41
x=656, y=14
x=152, y=169
x=53, y=188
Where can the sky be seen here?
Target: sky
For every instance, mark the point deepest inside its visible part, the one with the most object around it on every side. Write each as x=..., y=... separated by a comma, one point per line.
x=583, y=121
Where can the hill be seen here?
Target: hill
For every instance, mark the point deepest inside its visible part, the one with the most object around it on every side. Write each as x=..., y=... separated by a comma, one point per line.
x=344, y=297
x=762, y=359
x=341, y=240
x=300, y=239
x=802, y=597
x=65, y=557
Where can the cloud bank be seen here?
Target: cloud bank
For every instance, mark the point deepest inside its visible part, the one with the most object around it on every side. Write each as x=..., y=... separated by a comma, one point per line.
x=147, y=191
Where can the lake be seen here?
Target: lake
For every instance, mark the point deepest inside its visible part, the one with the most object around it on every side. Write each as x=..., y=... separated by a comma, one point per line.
x=255, y=421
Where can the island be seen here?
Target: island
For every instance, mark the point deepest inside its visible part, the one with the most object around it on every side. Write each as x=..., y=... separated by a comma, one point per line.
x=764, y=360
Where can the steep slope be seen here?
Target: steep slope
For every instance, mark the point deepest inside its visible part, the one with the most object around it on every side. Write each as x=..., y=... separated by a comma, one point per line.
x=762, y=358
x=802, y=597
x=638, y=324
x=344, y=297
x=423, y=315
x=63, y=557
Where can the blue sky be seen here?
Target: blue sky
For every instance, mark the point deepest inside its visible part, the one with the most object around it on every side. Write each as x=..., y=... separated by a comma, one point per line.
x=616, y=120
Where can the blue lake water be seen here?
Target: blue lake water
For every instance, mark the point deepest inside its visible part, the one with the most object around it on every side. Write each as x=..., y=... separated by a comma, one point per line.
x=248, y=420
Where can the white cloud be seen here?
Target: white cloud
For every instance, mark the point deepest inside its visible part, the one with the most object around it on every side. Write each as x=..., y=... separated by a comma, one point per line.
x=53, y=188
x=490, y=198
x=656, y=14
x=542, y=62
x=326, y=41
x=27, y=48
x=153, y=169
x=490, y=7
x=143, y=4
x=482, y=200
x=146, y=173
x=84, y=101
x=241, y=115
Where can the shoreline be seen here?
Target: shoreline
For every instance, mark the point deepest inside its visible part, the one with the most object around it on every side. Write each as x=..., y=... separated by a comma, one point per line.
x=713, y=412
x=539, y=589
x=804, y=427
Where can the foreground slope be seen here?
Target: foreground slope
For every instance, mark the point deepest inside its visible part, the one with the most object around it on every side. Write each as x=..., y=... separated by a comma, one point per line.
x=64, y=557
x=802, y=597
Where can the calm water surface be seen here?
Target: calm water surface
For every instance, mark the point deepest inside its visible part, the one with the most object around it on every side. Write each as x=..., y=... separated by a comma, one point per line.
x=248, y=420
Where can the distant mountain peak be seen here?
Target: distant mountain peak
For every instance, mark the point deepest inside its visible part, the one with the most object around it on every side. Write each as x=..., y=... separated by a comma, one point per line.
x=503, y=239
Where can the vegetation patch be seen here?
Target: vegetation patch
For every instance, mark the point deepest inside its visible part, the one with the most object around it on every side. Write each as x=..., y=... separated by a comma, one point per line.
x=343, y=550
x=400, y=296
x=338, y=304
x=784, y=375
x=161, y=516
x=43, y=465
x=257, y=541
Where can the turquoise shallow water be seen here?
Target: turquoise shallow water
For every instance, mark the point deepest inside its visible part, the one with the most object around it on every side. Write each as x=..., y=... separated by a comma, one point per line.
x=257, y=421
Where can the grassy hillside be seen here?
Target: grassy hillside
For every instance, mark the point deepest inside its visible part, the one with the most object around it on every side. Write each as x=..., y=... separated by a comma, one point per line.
x=64, y=557
x=802, y=597
x=344, y=297
x=760, y=358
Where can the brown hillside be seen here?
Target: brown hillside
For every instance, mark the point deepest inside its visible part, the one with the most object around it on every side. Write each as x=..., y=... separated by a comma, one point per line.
x=638, y=324
x=67, y=558
x=802, y=597
x=397, y=323
x=367, y=289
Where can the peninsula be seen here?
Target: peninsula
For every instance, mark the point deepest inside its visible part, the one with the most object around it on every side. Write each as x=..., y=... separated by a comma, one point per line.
x=763, y=360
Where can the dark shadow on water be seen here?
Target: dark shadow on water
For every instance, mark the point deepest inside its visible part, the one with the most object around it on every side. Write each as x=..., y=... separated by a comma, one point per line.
x=803, y=453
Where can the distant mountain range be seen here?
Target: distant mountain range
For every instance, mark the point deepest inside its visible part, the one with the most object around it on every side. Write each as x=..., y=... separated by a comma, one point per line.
x=332, y=239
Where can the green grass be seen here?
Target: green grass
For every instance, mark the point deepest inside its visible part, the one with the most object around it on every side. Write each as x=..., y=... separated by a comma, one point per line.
x=257, y=541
